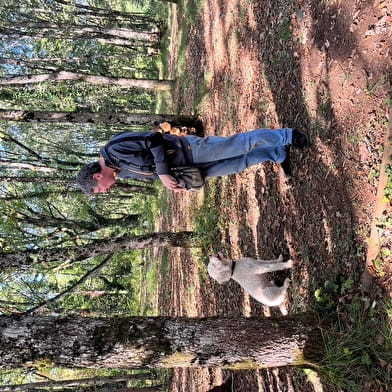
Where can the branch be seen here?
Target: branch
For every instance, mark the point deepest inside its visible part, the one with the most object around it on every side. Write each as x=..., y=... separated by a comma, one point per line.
x=67, y=291
x=23, y=146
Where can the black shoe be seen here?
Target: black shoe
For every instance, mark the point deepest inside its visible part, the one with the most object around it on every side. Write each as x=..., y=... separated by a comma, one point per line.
x=300, y=140
x=286, y=164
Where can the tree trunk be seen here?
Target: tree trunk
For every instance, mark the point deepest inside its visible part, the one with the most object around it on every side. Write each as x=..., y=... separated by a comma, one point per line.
x=41, y=194
x=76, y=382
x=122, y=187
x=45, y=194
x=64, y=181
x=99, y=388
x=63, y=76
x=99, y=222
x=22, y=166
x=35, y=65
x=183, y=239
x=100, y=118
x=58, y=30
x=131, y=342
x=109, y=14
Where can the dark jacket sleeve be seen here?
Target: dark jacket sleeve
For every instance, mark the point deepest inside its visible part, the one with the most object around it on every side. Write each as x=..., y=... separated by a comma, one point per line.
x=156, y=145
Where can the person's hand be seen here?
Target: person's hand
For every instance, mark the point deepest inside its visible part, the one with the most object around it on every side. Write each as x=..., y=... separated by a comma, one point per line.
x=170, y=183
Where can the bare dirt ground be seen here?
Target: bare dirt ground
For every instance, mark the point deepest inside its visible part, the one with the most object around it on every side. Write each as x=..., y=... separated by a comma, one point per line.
x=321, y=66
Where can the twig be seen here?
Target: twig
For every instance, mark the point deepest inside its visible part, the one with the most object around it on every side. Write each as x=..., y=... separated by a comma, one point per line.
x=67, y=291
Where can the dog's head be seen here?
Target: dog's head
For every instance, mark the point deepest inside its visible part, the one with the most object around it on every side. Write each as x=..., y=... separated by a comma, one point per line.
x=219, y=269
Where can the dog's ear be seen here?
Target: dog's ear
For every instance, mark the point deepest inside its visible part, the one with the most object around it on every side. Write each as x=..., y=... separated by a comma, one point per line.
x=220, y=256
x=214, y=259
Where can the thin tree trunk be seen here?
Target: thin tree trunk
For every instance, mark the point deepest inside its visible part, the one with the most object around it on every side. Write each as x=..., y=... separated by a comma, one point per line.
x=43, y=29
x=99, y=118
x=76, y=382
x=57, y=179
x=41, y=194
x=131, y=342
x=120, y=187
x=21, y=166
x=35, y=65
x=72, y=64
x=98, y=222
x=63, y=76
x=94, y=293
x=183, y=239
x=107, y=13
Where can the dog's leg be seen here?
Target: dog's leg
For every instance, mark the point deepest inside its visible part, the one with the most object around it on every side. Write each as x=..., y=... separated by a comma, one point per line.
x=263, y=266
x=283, y=309
x=274, y=295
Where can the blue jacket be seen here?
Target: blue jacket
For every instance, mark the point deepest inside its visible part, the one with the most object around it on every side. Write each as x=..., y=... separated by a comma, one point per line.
x=142, y=155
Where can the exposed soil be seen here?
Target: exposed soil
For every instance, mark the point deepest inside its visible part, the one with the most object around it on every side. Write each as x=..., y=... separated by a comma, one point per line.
x=321, y=66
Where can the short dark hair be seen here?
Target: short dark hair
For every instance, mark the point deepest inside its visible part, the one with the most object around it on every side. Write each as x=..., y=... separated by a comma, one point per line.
x=85, y=177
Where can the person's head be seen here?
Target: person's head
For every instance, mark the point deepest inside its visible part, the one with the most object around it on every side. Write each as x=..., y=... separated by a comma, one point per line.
x=96, y=177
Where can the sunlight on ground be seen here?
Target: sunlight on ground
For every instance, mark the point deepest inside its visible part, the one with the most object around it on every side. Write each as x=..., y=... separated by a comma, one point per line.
x=247, y=311
x=314, y=378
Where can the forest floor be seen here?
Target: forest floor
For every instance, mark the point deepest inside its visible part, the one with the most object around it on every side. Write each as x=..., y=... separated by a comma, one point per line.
x=321, y=66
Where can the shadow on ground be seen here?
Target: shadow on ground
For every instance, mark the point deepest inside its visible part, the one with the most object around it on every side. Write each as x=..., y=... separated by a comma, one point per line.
x=315, y=66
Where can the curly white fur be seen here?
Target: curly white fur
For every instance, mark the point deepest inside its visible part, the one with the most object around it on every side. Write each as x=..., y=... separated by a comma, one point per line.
x=250, y=274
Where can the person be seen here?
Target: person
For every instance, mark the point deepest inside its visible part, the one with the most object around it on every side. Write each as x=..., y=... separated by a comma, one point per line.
x=143, y=155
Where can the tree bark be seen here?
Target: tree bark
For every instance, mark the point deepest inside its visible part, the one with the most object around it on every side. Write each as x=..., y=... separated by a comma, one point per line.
x=100, y=118
x=45, y=220
x=57, y=30
x=131, y=342
x=62, y=76
x=183, y=239
x=122, y=187
x=35, y=65
x=110, y=14
x=57, y=179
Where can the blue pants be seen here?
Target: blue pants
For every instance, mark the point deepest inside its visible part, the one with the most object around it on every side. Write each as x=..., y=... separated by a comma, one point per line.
x=219, y=155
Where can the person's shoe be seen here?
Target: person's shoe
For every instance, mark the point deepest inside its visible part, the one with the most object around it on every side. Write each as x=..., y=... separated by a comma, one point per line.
x=300, y=140
x=286, y=164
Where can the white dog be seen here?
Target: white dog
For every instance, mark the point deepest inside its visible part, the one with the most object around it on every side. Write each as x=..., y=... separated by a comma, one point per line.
x=249, y=273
